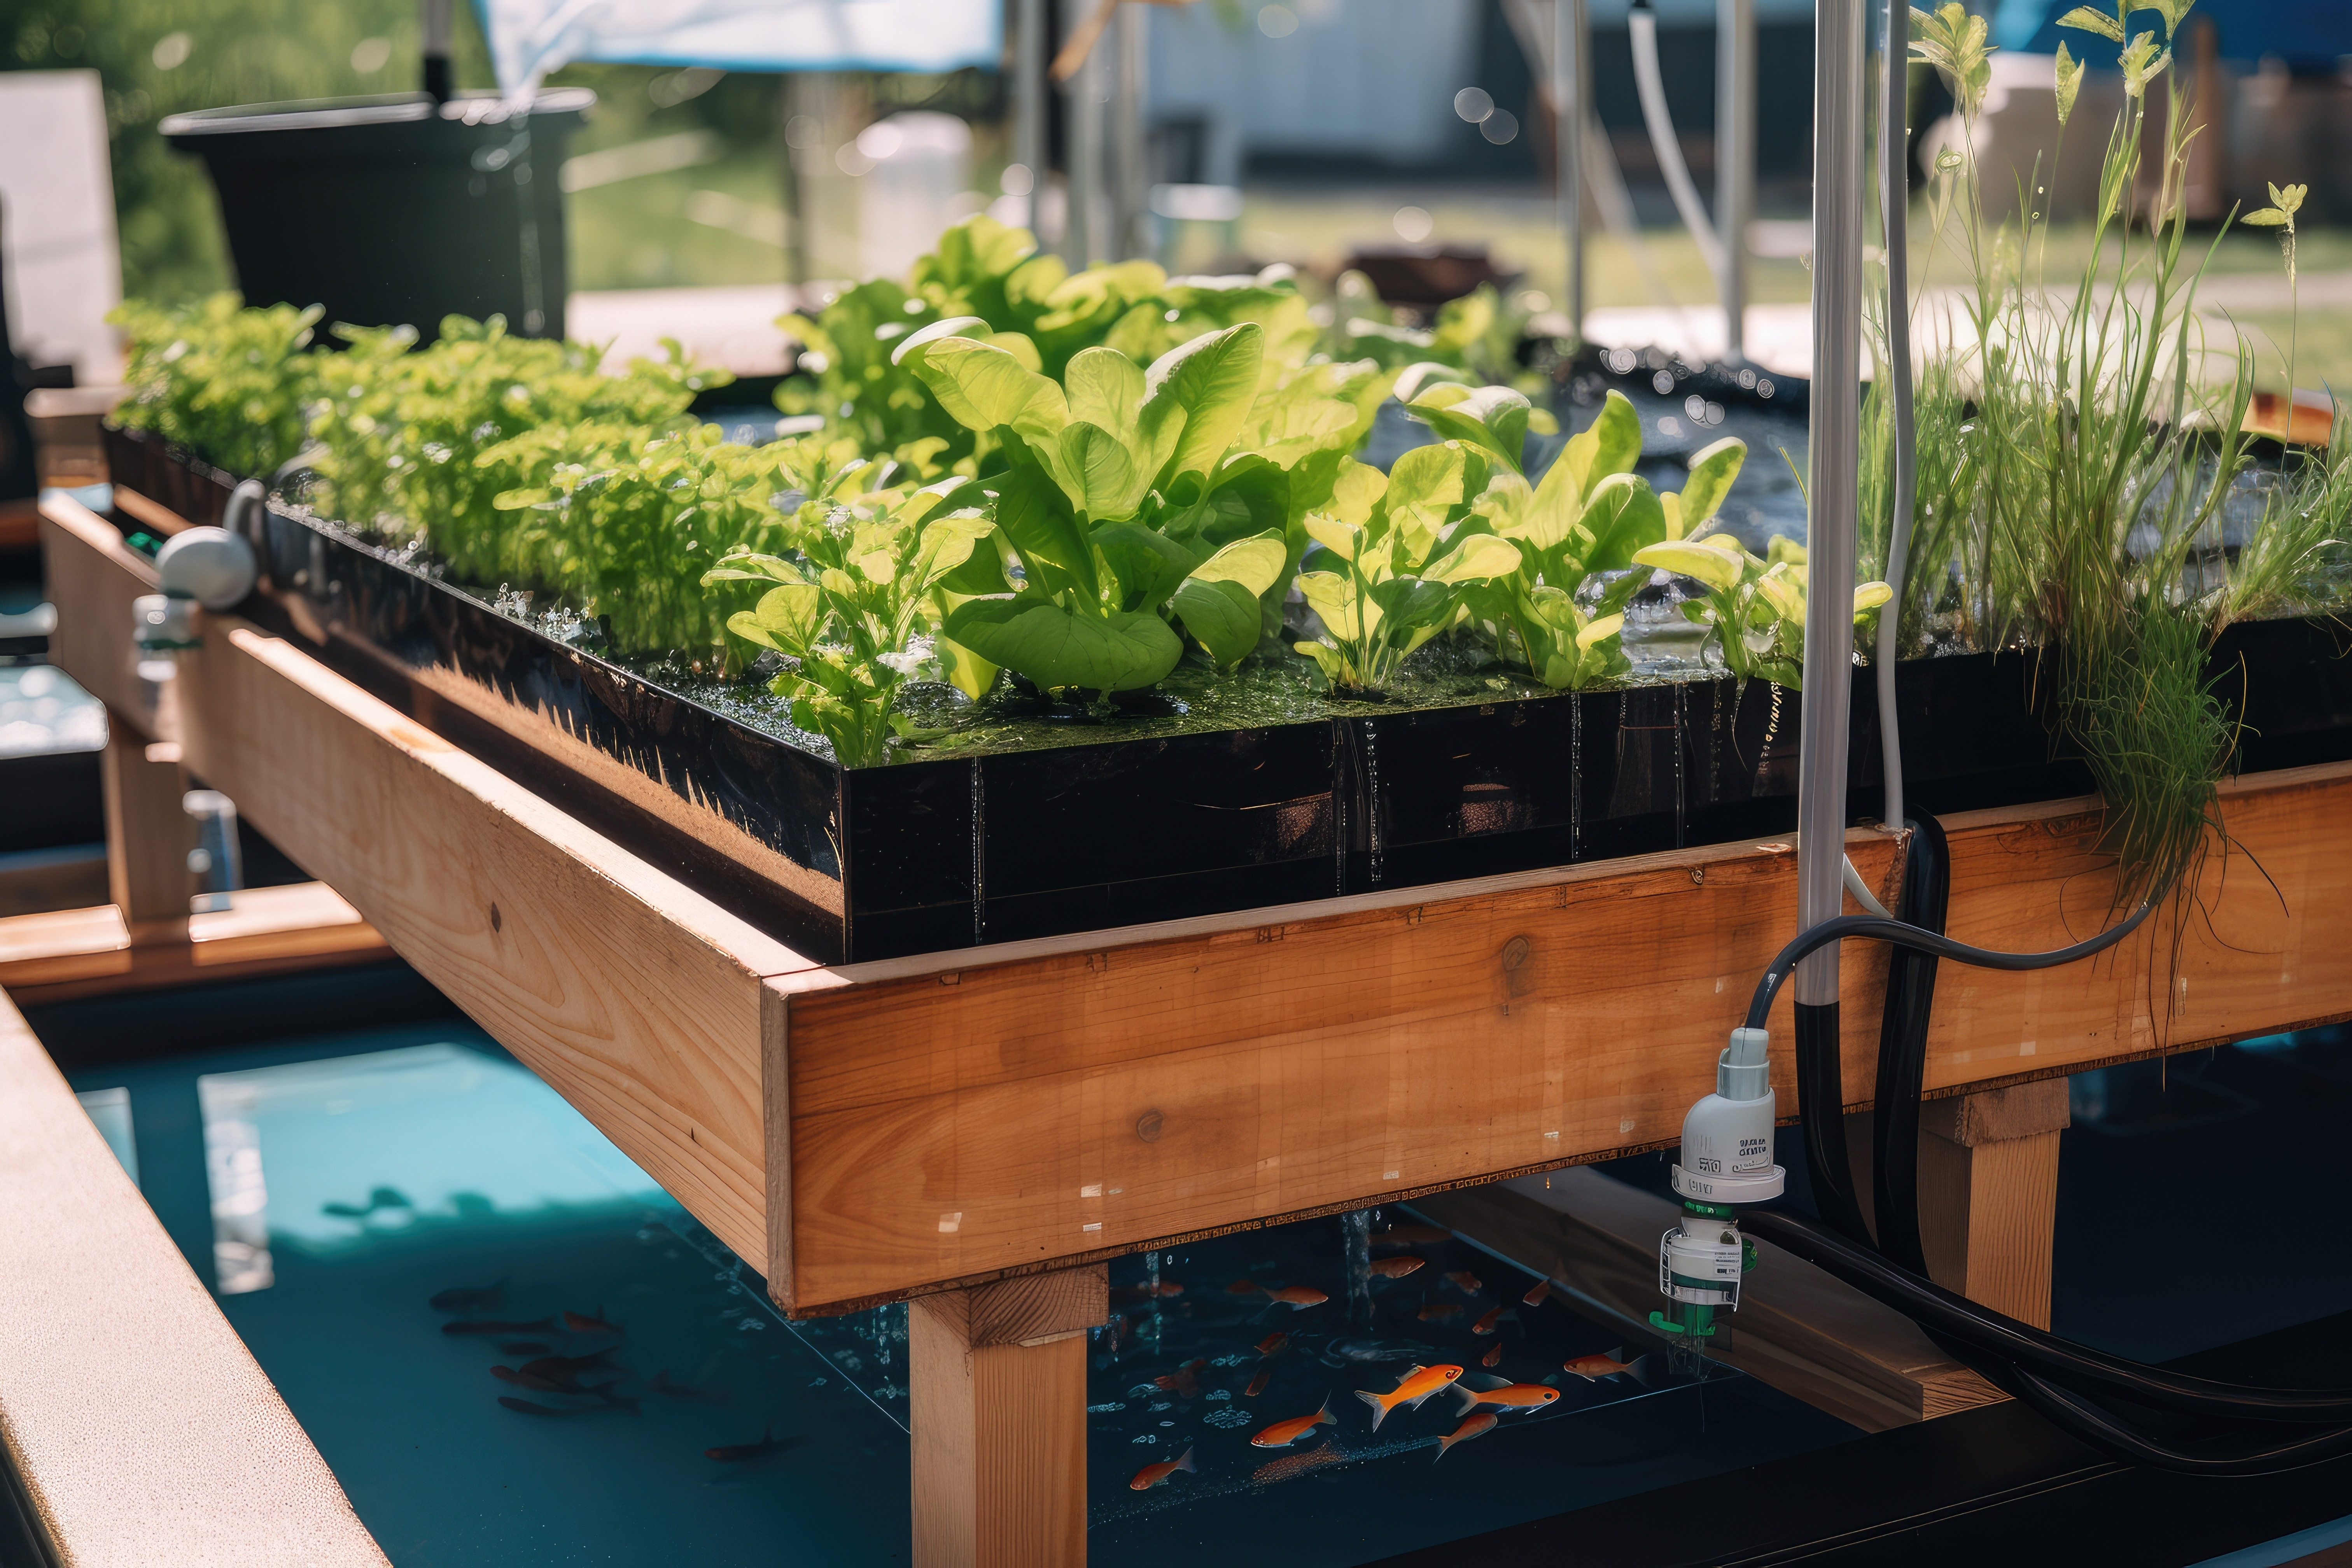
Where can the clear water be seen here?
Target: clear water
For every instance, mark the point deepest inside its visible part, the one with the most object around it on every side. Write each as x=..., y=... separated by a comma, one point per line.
x=329, y=1188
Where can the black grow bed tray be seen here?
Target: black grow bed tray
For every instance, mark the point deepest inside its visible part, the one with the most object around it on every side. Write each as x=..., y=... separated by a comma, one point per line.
x=1100, y=826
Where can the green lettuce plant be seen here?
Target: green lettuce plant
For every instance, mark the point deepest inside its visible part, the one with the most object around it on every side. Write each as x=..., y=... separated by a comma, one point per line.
x=229, y=383
x=1753, y=610
x=852, y=607
x=1122, y=503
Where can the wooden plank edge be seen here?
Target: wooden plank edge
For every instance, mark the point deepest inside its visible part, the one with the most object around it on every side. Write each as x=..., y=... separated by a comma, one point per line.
x=152, y=513
x=87, y=528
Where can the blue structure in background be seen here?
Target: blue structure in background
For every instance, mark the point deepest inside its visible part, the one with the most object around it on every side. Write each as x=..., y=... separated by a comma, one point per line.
x=2310, y=36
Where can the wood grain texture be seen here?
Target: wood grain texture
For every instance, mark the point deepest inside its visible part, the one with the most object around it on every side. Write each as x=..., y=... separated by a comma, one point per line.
x=1089, y=1101
x=142, y=1429
x=638, y=1000
x=60, y=954
x=148, y=835
x=1989, y=1195
x=998, y=1453
x=1796, y=1329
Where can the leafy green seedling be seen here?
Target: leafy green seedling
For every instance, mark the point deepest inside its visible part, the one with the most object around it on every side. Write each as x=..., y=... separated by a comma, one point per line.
x=1754, y=609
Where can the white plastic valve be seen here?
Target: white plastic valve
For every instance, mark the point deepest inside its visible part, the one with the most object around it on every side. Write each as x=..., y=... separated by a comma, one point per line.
x=1727, y=1154
x=211, y=565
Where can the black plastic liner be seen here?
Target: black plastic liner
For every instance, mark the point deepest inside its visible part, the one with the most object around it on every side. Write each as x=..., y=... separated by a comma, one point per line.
x=851, y=865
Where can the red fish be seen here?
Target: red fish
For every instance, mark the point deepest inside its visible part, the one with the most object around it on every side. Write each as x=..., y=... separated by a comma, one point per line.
x=1510, y=1397
x=1476, y=1426
x=1282, y=1434
x=1493, y=1357
x=1182, y=1383
x=1593, y=1368
x=1151, y=1476
x=1244, y=1287
x=1257, y=1385
x=1418, y=1384
x=1274, y=1344
x=1469, y=1284
x=578, y=1324
x=1395, y=1268
x=1439, y=1313
x=1492, y=1322
x=1297, y=1297
x=1535, y=1297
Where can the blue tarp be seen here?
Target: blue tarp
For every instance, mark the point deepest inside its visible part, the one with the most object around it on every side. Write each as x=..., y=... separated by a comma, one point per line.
x=529, y=39
x=2308, y=35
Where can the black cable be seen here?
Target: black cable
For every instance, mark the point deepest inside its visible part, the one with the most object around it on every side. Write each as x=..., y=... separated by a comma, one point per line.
x=1872, y=928
x=1821, y=1082
x=1903, y=1047
x=1950, y=1316
x=2101, y=1429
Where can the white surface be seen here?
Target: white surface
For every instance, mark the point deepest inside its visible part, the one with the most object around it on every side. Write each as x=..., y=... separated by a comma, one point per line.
x=529, y=39
x=64, y=270
x=733, y=327
x=917, y=164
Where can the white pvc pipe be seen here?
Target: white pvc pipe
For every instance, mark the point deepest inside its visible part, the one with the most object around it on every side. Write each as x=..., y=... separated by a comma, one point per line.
x=1652, y=86
x=1895, y=204
x=1571, y=94
x=1833, y=470
x=1735, y=161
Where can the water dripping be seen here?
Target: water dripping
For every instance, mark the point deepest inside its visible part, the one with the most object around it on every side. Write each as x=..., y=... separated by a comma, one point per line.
x=1682, y=812
x=1357, y=1226
x=979, y=857
x=1576, y=778
x=1373, y=813
x=1151, y=1262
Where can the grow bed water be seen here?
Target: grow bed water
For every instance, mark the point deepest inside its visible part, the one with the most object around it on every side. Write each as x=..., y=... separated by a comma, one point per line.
x=1016, y=818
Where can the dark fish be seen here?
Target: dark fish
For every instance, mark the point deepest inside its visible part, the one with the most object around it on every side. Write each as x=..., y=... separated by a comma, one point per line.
x=523, y=1347
x=1469, y=1284
x=499, y=1326
x=1411, y=1236
x=380, y=1198
x=1440, y=1313
x=662, y=1384
x=530, y=1380
x=735, y=1452
x=1395, y=1268
x=564, y=1370
x=1182, y=1383
x=467, y=1297
x=1535, y=1297
x=610, y=1402
x=575, y=1323
x=1257, y=1385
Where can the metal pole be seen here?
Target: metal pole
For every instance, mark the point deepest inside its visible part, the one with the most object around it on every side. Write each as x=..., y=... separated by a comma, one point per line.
x=1735, y=159
x=1571, y=90
x=1833, y=472
x=1032, y=50
x=1082, y=127
x=1131, y=182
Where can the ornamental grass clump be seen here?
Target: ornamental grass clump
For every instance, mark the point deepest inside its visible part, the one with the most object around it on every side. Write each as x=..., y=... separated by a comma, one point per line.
x=230, y=384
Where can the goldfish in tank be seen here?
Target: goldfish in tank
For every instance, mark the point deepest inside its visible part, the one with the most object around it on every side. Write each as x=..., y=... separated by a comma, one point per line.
x=1492, y=1323
x=1274, y=1344
x=1151, y=1476
x=1469, y=1284
x=1418, y=1384
x=1476, y=1426
x=1493, y=1357
x=1535, y=1297
x=1593, y=1368
x=1257, y=1385
x=1184, y=1381
x=1507, y=1396
x=1282, y=1434
x=1395, y=1268
x=1439, y=1313
x=1297, y=1297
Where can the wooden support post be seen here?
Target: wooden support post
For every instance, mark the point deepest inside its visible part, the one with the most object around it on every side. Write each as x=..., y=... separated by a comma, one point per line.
x=1989, y=1195
x=147, y=834
x=998, y=1389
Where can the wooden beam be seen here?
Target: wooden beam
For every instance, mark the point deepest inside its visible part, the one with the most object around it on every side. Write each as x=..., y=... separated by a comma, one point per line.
x=92, y=577
x=58, y=955
x=997, y=1391
x=1796, y=1329
x=148, y=835
x=1989, y=1195
x=125, y=1466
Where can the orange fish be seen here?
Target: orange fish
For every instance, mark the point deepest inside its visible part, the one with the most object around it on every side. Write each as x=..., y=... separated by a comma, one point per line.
x=1151, y=1476
x=1297, y=1297
x=1439, y=1311
x=1169, y=1288
x=1469, y=1284
x=1419, y=1383
x=1493, y=1357
x=1182, y=1382
x=1274, y=1344
x=1515, y=1396
x=1411, y=1236
x=1476, y=1426
x=1282, y=1434
x=1395, y=1268
x=1592, y=1368
x=1244, y=1287
x=595, y=1325
x=1257, y=1385
x=1535, y=1297
x=1492, y=1322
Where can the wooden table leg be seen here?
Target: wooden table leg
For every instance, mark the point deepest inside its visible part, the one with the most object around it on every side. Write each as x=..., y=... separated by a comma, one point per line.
x=147, y=833
x=1989, y=1195
x=998, y=1388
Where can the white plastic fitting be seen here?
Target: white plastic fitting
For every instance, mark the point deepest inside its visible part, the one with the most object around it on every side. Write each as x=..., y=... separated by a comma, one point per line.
x=211, y=565
x=1727, y=1156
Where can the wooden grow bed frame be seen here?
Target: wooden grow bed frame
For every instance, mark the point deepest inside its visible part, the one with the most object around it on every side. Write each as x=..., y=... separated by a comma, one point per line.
x=978, y=1130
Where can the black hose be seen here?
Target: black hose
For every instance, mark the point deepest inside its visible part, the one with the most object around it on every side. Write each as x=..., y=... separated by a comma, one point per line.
x=1821, y=1082
x=2081, y=1418
x=1903, y=1049
x=1948, y=1316
x=1875, y=929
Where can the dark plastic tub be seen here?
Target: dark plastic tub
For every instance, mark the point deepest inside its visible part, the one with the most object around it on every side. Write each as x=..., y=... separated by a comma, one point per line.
x=395, y=209
x=1100, y=826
